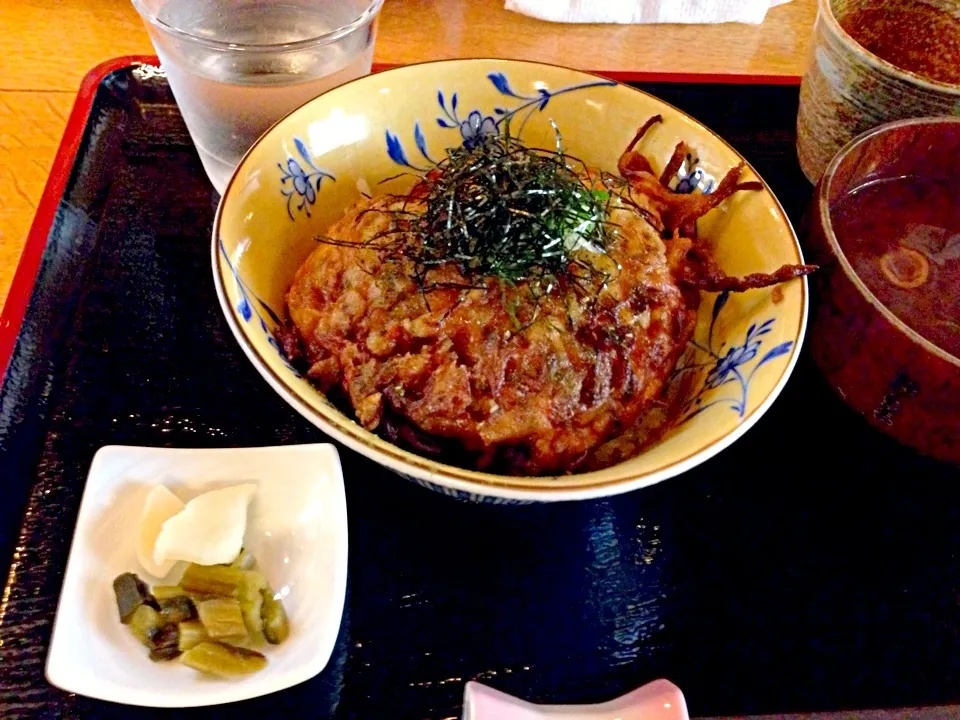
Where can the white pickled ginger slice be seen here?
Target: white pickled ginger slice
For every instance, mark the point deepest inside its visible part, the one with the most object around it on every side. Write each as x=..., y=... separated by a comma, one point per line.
x=209, y=530
x=160, y=506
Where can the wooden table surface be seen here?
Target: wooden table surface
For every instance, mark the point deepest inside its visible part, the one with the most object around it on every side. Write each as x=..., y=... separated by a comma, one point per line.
x=47, y=47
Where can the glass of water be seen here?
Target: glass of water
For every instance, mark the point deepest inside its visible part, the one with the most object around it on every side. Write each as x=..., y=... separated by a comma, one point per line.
x=237, y=66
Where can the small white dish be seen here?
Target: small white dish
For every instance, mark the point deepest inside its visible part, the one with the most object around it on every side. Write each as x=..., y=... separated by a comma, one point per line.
x=658, y=700
x=297, y=530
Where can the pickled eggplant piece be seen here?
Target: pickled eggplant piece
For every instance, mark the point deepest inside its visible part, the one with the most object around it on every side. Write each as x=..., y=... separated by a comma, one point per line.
x=251, y=602
x=222, y=618
x=165, y=592
x=276, y=627
x=245, y=561
x=216, y=580
x=165, y=644
x=177, y=609
x=145, y=623
x=164, y=654
x=222, y=660
x=131, y=593
x=191, y=635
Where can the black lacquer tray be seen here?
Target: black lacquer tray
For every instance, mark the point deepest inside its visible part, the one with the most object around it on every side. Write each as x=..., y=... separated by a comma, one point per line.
x=814, y=565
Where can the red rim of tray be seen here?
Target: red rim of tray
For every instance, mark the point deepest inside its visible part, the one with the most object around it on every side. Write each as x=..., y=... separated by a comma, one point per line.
x=13, y=312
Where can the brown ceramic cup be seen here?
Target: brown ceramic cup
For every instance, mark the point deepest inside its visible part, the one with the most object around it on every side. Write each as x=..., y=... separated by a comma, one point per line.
x=901, y=382
x=848, y=90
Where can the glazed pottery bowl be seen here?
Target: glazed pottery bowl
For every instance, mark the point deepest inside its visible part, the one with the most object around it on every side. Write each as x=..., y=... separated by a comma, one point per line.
x=848, y=90
x=900, y=381
x=307, y=169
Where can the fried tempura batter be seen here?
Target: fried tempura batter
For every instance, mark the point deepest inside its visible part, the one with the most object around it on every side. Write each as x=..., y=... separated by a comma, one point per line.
x=521, y=384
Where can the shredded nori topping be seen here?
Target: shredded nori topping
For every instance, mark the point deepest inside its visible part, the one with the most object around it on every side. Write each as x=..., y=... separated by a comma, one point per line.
x=502, y=210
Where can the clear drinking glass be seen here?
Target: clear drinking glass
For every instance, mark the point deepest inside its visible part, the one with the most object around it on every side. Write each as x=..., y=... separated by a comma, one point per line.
x=237, y=66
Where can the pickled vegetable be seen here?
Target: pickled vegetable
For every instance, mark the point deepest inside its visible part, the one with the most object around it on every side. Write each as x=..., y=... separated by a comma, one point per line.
x=132, y=593
x=204, y=618
x=198, y=598
x=145, y=623
x=191, y=635
x=245, y=561
x=159, y=506
x=216, y=580
x=251, y=601
x=276, y=627
x=222, y=660
x=222, y=618
x=209, y=530
x=177, y=609
x=165, y=644
x=165, y=592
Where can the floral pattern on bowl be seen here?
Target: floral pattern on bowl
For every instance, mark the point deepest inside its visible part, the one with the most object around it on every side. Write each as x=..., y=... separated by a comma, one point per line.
x=250, y=305
x=720, y=365
x=476, y=124
x=303, y=183
x=350, y=141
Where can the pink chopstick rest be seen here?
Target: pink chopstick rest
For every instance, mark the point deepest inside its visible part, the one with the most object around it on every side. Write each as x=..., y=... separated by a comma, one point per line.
x=658, y=700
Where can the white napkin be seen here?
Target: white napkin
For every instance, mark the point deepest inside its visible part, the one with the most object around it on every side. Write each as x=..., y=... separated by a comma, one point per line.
x=646, y=11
